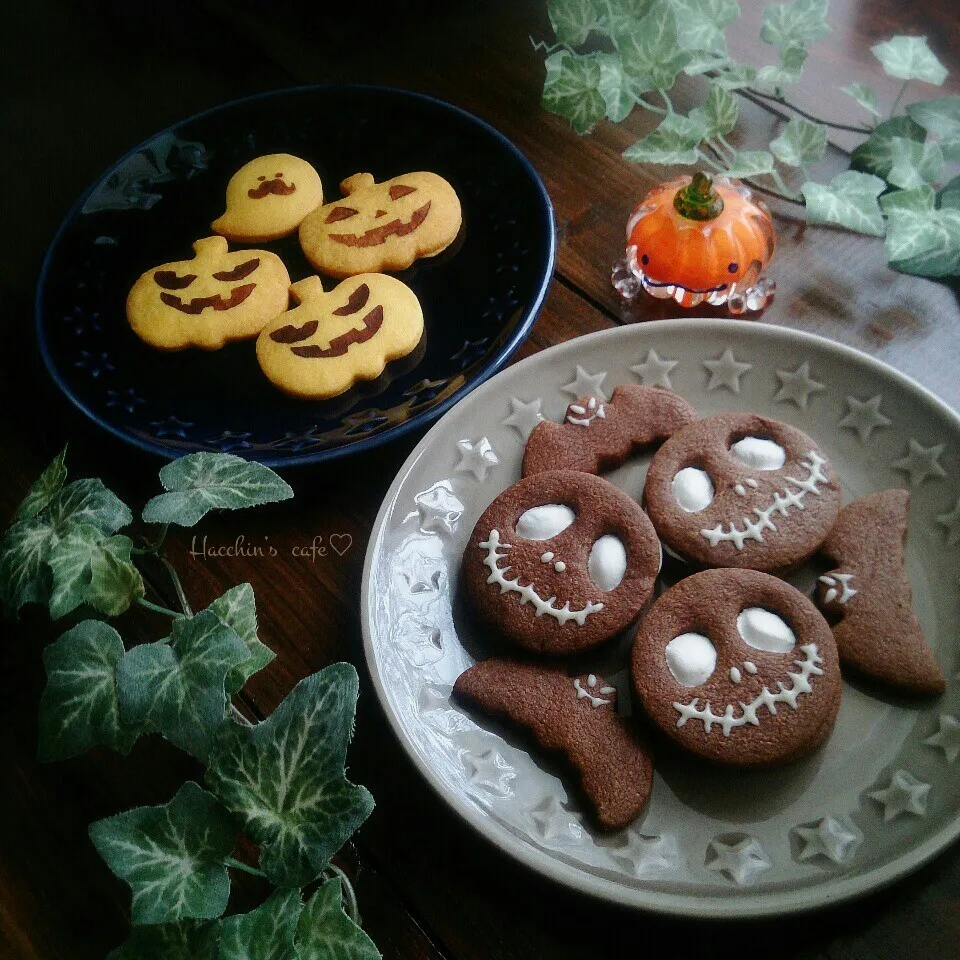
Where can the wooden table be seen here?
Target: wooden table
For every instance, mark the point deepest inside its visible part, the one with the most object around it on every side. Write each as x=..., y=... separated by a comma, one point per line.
x=84, y=82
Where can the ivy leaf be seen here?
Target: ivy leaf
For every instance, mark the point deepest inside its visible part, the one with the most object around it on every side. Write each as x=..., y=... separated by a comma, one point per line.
x=572, y=20
x=926, y=243
x=572, y=89
x=619, y=90
x=720, y=112
x=186, y=940
x=88, y=501
x=750, y=163
x=865, y=96
x=949, y=196
x=44, y=489
x=703, y=23
x=650, y=47
x=172, y=856
x=875, y=154
x=325, y=932
x=70, y=565
x=664, y=145
x=938, y=116
x=801, y=143
x=114, y=581
x=913, y=164
x=705, y=62
x=178, y=686
x=266, y=933
x=950, y=148
x=849, y=201
x=200, y=482
x=285, y=777
x=24, y=574
x=796, y=24
x=79, y=709
x=909, y=58
x=237, y=609
x=771, y=78
x=736, y=78
x=918, y=200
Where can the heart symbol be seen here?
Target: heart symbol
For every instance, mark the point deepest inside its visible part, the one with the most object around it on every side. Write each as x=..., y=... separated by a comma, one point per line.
x=341, y=543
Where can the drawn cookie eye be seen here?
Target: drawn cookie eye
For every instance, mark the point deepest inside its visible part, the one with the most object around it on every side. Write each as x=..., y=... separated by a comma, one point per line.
x=692, y=488
x=691, y=658
x=169, y=280
x=544, y=522
x=764, y=630
x=340, y=213
x=759, y=454
x=355, y=302
x=607, y=563
x=399, y=190
x=238, y=272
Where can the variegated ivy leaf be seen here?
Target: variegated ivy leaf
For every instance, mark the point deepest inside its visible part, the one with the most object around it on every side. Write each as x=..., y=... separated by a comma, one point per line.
x=79, y=709
x=914, y=164
x=705, y=63
x=736, y=78
x=620, y=91
x=44, y=489
x=692, y=129
x=24, y=574
x=237, y=608
x=849, y=201
x=266, y=933
x=771, y=78
x=115, y=582
x=572, y=20
x=909, y=58
x=650, y=47
x=865, y=96
x=702, y=23
x=172, y=856
x=201, y=482
x=949, y=197
x=938, y=116
x=666, y=146
x=926, y=242
x=70, y=565
x=88, y=501
x=800, y=143
x=875, y=154
x=918, y=200
x=285, y=777
x=720, y=112
x=950, y=148
x=750, y=163
x=178, y=686
x=325, y=932
x=572, y=89
x=187, y=940
x=794, y=24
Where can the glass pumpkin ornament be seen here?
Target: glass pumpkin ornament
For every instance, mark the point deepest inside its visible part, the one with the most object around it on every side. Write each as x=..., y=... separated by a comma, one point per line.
x=696, y=240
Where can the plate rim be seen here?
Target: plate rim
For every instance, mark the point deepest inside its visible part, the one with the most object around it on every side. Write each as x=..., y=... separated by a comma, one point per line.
x=739, y=904
x=365, y=444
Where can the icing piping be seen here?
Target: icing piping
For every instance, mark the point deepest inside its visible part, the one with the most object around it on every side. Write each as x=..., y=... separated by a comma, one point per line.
x=843, y=579
x=586, y=415
x=586, y=695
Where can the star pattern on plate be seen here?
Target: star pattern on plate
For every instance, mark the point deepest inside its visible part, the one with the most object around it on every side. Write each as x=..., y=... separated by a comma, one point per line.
x=586, y=384
x=864, y=416
x=645, y=854
x=490, y=772
x=477, y=457
x=947, y=738
x=906, y=794
x=655, y=371
x=171, y=427
x=797, y=386
x=950, y=522
x=837, y=840
x=554, y=823
x=921, y=462
x=524, y=416
x=439, y=509
x=741, y=861
x=726, y=371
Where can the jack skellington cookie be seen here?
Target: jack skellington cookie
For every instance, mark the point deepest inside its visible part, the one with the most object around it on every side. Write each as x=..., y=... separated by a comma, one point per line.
x=742, y=490
x=598, y=435
x=738, y=667
x=561, y=562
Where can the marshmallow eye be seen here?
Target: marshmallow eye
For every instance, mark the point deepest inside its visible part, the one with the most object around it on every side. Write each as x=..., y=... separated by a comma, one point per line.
x=759, y=454
x=691, y=658
x=765, y=631
x=693, y=489
x=544, y=522
x=607, y=563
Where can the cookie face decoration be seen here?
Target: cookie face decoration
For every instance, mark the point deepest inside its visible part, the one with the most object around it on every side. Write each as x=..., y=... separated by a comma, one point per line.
x=205, y=302
x=561, y=562
x=868, y=597
x=739, y=667
x=268, y=197
x=598, y=435
x=381, y=226
x=741, y=490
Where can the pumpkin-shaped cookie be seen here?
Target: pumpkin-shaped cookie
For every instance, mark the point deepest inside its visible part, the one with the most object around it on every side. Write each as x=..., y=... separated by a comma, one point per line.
x=205, y=302
x=381, y=226
x=329, y=341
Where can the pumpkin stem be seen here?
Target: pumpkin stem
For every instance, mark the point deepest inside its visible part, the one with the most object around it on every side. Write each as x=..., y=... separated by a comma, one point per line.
x=698, y=200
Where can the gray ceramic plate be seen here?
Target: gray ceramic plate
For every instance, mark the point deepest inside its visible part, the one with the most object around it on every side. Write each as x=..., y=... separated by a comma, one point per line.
x=878, y=799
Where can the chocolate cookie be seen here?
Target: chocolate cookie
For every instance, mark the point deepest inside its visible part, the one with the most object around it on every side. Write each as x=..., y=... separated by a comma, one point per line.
x=576, y=716
x=741, y=490
x=738, y=667
x=561, y=562
x=598, y=435
x=868, y=597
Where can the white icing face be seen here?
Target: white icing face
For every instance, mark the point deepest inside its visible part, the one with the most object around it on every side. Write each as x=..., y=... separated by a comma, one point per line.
x=758, y=454
x=693, y=489
x=691, y=658
x=764, y=630
x=608, y=562
x=545, y=522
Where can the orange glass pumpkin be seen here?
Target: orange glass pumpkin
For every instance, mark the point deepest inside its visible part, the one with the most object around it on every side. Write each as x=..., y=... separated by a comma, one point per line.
x=697, y=241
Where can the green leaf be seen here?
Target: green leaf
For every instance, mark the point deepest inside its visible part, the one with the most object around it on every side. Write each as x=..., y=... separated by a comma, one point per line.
x=650, y=47
x=237, y=608
x=736, y=78
x=115, y=582
x=801, y=143
x=909, y=58
x=938, y=116
x=926, y=243
x=187, y=940
x=701, y=23
x=919, y=200
x=572, y=89
x=178, y=686
x=849, y=201
x=913, y=164
x=771, y=79
x=949, y=197
x=172, y=856
x=88, y=501
x=79, y=709
x=865, y=96
x=44, y=489
x=796, y=24
x=285, y=777
x=325, y=932
x=950, y=148
x=706, y=62
x=572, y=20
x=266, y=933
x=750, y=163
x=619, y=90
x=720, y=112
x=24, y=574
x=875, y=154
x=665, y=146
x=200, y=482
x=69, y=561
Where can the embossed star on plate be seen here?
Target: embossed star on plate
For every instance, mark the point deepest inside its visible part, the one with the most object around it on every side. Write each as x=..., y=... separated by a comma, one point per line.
x=726, y=371
x=554, y=823
x=655, y=371
x=524, y=416
x=797, y=386
x=837, y=840
x=921, y=462
x=490, y=772
x=947, y=738
x=645, y=854
x=906, y=794
x=477, y=457
x=439, y=509
x=740, y=860
x=586, y=384
x=864, y=416
x=951, y=523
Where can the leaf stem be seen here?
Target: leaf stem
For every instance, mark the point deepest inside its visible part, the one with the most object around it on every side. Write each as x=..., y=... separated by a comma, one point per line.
x=246, y=868
x=853, y=128
x=154, y=545
x=156, y=608
x=666, y=100
x=181, y=596
x=900, y=93
x=723, y=140
x=348, y=893
x=239, y=716
x=651, y=107
x=788, y=194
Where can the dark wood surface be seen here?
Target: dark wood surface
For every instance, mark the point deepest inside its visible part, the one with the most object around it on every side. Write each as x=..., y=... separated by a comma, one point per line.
x=82, y=83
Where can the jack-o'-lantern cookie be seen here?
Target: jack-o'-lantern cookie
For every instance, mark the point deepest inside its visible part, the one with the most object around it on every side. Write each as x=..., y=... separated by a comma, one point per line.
x=205, y=302
x=268, y=197
x=329, y=341
x=741, y=490
x=575, y=716
x=381, y=226
x=561, y=562
x=738, y=667
x=868, y=597
x=598, y=435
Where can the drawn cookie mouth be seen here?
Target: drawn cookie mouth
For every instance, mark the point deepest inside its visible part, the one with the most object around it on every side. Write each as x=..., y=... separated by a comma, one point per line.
x=276, y=187
x=199, y=304
x=377, y=235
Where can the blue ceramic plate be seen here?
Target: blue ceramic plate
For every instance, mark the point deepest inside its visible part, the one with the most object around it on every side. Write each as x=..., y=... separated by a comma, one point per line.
x=480, y=297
